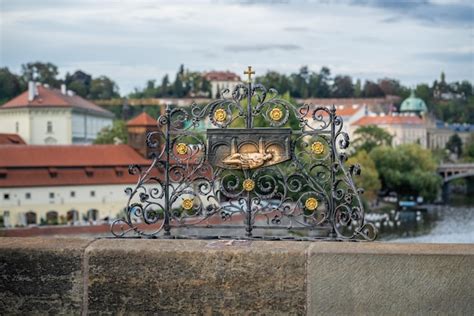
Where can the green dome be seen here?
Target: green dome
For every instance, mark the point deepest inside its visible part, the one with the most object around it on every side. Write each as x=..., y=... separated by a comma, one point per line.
x=413, y=104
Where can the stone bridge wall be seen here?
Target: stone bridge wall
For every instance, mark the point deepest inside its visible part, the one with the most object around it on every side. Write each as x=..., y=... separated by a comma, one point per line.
x=122, y=276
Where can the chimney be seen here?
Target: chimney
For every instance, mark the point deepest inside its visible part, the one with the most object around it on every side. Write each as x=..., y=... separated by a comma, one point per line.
x=63, y=88
x=31, y=91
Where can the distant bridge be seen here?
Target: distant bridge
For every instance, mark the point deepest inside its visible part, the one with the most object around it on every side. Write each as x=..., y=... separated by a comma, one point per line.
x=452, y=171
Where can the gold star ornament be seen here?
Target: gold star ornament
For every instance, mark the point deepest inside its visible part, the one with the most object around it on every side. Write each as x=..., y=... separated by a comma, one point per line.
x=248, y=185
x=220, y=115
x=182, y=149
x=317, y=148
x=276, y=114
x=311, y=204
x=187, y=204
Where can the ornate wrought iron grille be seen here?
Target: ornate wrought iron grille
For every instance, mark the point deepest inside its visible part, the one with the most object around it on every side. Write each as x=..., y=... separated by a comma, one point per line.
x=262, y=166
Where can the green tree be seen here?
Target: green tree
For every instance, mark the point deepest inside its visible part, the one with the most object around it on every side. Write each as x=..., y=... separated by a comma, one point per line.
x=206, y=87
x=342, y=87
x=454, y=144
x=79, y=88
x=390, y=86
x=408, y=170
x=79, y=82
x=165, y=89
x=319, y=83
x=423, y=91
x=369, y=176
x=112, y=135
x=10, y=85
x=45, y=73
x=465, y=88
x=150, y=91
x=372, y=90
x=178, y=85
x=299, y=83
x=275, y=80
x=358, y=89
x=371, y=136
x=103, y=88
x=469, y=149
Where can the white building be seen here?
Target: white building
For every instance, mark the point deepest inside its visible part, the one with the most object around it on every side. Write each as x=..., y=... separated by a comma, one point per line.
x=43, y=115
x=405, y=128
x=72, y=184
x=221, y=80
x=42, y=184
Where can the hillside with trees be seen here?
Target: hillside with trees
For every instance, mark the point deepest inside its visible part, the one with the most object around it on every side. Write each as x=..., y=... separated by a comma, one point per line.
x=447, y=101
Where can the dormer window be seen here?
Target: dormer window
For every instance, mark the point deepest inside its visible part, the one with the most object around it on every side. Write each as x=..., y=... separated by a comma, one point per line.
x=119, y=171
x=53, y=172
x=89, y=172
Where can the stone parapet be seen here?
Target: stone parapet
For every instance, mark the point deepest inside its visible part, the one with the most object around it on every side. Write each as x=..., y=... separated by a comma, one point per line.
x=233, y=277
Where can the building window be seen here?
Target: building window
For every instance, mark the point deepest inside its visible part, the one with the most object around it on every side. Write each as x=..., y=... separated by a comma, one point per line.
x=73, y=194
x=28, y=195
x=92, y=193
x=17, y=127
x=51, y=195
x=6, y=196
x=49, y=127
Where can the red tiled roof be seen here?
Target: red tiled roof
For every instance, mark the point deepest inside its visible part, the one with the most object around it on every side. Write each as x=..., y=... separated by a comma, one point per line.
x=221, y=76
x=344, y=111
x=350, y=101
x=11, y=139
x=16, y=156
x=389, y=120
x=142, y=119
x=27, y=165
x=48, y=97
x=34, y=177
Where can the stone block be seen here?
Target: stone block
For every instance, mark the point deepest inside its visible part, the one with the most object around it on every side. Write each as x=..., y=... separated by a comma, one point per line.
x=185, y=277
x=390, y=279
x=41, y=275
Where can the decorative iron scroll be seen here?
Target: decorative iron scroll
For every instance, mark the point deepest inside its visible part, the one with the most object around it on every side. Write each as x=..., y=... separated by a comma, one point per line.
x=215, y=169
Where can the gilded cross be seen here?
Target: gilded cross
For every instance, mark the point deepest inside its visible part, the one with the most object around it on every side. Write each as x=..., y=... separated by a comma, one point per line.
x=249, y=72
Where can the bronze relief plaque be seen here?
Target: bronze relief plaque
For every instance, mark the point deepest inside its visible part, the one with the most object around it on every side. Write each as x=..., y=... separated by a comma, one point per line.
x=240, y=148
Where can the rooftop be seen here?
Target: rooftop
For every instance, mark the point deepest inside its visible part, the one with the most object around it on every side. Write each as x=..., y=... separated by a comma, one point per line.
x=67, y=165
x=49, y=97
x=221, y=76
x=17, y=156
x=11, y=139
x=351, y=101
x=389, y=120
x=413, y=104
x=143, y=119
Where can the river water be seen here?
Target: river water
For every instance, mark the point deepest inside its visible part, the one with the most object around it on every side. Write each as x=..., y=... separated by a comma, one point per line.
x=439, y=224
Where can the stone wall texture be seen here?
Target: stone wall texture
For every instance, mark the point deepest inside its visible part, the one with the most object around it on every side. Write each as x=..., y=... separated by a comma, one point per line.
x=233, y=277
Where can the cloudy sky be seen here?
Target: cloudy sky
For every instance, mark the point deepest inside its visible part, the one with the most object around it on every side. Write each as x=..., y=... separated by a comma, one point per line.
x=133, y=41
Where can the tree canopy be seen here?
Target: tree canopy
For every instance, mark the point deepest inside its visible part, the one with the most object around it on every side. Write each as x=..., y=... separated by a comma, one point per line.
x=113, y=135
x=11, y=85
x=369, y=177
x=454, y=144
x=408, y=170
x=42, y=72
x=371, y=136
